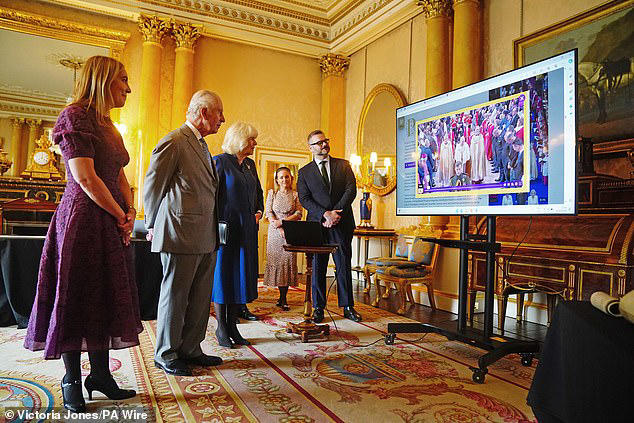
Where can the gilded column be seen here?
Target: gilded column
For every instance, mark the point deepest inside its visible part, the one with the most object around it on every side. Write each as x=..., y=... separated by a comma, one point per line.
x=467, y=42
x=153, y=30
x=438, y=13
x=15, y=151
x=185, y=36
x=34, y=133
x=333, y=101
x=467, y=57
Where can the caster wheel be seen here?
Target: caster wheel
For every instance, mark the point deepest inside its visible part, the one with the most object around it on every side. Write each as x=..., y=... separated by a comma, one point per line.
x=527, y=359
x=389, y=339
x=289, y=330
x=478, y=376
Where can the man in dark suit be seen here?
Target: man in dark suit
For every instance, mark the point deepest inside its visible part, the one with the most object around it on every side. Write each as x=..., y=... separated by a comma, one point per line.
x=180, y=199
x=327, y=187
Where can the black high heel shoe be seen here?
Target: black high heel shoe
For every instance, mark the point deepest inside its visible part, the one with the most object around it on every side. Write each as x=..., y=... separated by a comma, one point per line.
x=108, y=387
x=236, y=337
x=223, y=340
x=73, y=396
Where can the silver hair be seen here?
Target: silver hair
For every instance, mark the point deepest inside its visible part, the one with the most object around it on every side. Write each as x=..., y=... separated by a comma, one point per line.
x=200, y=99
x=236, y=137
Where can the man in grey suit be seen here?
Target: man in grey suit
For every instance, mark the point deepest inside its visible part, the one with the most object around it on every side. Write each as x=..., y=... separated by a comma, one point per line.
x=180, y=195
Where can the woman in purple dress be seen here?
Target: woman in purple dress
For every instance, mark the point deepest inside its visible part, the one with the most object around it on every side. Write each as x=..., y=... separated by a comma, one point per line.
x=86, y=293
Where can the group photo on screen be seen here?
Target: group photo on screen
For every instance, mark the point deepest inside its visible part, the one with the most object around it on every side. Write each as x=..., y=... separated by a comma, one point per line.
x=484, y=148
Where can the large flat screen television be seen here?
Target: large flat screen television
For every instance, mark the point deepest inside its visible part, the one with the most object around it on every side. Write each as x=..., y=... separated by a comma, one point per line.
x=502, y=146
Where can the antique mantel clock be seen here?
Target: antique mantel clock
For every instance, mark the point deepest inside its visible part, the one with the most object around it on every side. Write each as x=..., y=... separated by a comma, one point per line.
x=41, y=163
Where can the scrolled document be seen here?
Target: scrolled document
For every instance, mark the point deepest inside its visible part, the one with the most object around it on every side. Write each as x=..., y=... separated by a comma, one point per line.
x=606, y=303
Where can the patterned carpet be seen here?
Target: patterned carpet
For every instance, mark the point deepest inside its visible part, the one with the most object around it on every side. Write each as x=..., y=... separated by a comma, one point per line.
x=280, y=379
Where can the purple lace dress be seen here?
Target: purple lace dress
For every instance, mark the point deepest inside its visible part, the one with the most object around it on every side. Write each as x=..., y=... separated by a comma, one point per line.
x=86, y=293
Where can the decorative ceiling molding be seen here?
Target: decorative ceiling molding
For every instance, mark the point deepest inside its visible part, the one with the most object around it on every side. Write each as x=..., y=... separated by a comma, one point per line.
x=20, y=102
x=61, y=29
x=370, y=21
x=307, y=27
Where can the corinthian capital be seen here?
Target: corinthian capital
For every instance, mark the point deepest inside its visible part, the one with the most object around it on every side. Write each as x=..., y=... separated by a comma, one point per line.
x=34, y=123
x=17, y=121
x=185, y=34
x=333, y=64
x=436, y=8
x=153, y=28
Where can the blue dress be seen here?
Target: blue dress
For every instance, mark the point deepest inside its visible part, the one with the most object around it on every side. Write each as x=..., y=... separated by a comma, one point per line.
x=239, y=197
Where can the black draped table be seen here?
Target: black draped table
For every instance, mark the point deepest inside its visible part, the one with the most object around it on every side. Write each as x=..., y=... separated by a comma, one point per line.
x=586, y=369
x=19, y=263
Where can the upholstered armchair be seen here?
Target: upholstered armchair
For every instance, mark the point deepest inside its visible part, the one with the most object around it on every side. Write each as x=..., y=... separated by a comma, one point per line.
x=400, y=256
x=424, y=256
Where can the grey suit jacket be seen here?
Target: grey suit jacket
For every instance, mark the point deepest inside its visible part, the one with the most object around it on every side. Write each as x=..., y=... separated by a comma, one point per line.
x=180, y=196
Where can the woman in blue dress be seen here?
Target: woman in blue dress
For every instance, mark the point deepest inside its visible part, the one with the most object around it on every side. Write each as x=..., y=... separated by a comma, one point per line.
x=241, y=204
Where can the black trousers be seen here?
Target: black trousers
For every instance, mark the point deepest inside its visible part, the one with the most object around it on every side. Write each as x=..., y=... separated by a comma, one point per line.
x=343, y=263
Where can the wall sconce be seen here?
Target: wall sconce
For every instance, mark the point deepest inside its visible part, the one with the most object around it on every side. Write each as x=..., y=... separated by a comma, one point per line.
x=371, y=176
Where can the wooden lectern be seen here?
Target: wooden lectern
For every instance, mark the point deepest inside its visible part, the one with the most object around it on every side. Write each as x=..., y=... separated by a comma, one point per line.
x=308, y=328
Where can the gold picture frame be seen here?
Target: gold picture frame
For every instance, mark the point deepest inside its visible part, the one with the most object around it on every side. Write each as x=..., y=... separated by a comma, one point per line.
x=605, y=65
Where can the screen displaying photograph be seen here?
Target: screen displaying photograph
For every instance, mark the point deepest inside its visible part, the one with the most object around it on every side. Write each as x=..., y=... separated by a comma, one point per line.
x=505, y=145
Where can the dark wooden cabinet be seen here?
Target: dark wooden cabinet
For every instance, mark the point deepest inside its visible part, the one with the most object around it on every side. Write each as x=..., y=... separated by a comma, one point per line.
x=26, y=216
x=13, y=188
x=566, y=256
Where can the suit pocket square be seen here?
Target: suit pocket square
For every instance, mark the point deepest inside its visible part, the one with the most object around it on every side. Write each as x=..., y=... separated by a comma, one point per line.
x=223, y=232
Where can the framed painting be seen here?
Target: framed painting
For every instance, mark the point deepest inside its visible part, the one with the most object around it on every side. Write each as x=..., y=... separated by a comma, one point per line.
x=604, y=37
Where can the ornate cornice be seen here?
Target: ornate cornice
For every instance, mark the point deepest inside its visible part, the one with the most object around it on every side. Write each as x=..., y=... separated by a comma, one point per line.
x=296, y=26
x=333, y=64
x=20, y=102
x=215, y=6
x=248, y=13
x=153, y=28
x=34, y=24
x=356, y=17
x=436, y=8
x=185, y=34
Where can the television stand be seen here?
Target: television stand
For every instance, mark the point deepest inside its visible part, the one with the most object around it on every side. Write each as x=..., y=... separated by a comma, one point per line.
x=498, y=346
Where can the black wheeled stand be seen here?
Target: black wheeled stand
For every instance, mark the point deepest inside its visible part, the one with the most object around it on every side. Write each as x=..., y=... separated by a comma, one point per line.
x=498, y=346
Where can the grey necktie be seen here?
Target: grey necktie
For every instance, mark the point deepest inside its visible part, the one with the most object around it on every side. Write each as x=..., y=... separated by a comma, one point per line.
x=206, y=152
x=324, y=174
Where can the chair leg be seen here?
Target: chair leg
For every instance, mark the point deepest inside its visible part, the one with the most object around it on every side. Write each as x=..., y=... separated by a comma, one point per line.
x=430, y=294
x=551, y=300
x=368, y=281
x=410, y=294
x=402, y=290
x=377, y=299
x=502, y=301
x=520, y=307
x=386, y=294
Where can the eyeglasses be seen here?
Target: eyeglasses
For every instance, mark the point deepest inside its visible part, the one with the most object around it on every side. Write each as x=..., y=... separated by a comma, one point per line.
x=321, y=142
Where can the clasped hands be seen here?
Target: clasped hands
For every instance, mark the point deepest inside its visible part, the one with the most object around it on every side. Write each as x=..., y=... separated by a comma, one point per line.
x=126, y=226
x=332, y=218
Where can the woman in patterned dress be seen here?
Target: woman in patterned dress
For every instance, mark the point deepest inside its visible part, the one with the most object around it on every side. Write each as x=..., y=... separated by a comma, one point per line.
x=283, y=204
x=86, y=296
